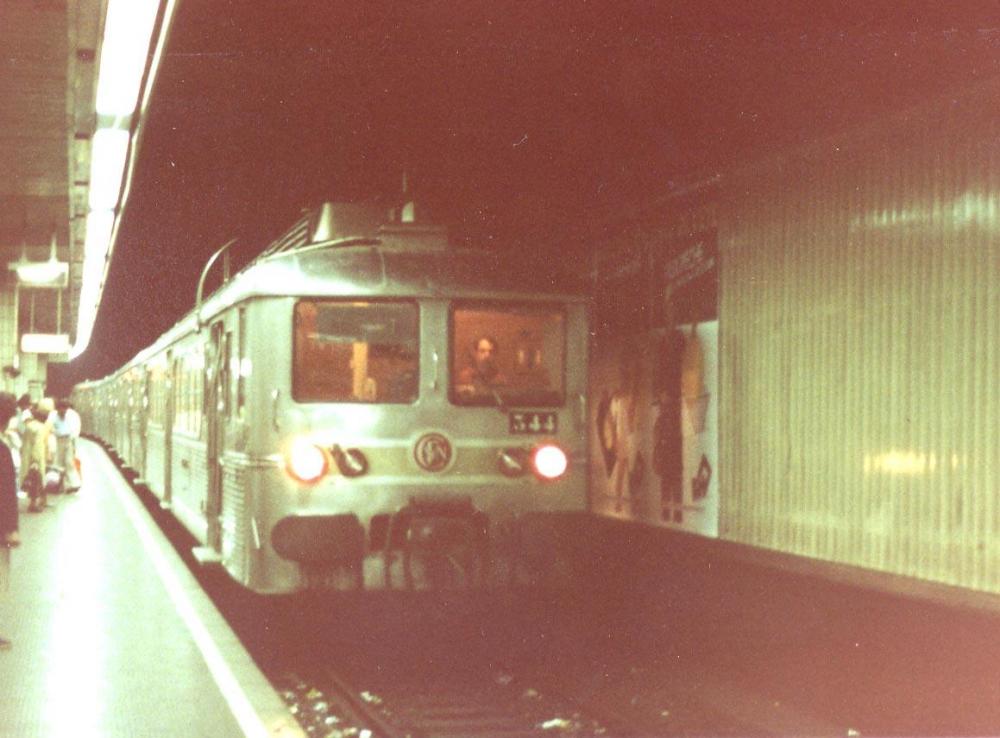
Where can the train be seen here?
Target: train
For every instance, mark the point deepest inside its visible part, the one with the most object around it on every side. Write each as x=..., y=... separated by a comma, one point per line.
x=324, y=418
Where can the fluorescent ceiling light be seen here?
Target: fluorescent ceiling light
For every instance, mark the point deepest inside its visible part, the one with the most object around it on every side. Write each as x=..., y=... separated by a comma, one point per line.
x=129, y=61
x=100, y=224
x=128, y=30
x=107, y=164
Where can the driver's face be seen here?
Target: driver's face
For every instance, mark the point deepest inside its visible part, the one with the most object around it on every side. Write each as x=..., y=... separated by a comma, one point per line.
x=484, y=352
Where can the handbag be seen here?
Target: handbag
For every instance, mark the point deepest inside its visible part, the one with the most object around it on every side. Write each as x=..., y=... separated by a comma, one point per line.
x=33, y=481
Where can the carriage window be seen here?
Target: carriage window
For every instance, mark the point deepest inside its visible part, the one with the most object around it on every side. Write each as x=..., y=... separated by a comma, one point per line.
x=355, y=351
x=508, y=355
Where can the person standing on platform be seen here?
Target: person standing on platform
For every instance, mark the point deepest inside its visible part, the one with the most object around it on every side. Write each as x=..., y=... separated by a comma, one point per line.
x=9, y=536
x=12, y=437
x=23, y=411
x=22, y=414
x=34, y=458
x=65, y=424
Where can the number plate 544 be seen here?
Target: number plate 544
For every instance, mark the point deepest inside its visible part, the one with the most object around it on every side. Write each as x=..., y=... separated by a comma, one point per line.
x=531, y=422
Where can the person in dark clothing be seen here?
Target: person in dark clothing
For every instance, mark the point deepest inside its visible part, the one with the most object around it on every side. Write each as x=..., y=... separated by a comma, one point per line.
x=482, y=375
x=8, y=496
x=668, y=448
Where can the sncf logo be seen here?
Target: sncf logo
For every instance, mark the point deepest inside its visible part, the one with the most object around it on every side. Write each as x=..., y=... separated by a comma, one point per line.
x=432, y=452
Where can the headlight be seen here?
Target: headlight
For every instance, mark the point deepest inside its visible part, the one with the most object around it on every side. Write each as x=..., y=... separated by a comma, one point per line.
x=306, y=462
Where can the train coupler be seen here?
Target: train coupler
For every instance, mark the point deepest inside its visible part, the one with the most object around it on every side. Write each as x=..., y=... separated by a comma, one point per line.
x=449, y=538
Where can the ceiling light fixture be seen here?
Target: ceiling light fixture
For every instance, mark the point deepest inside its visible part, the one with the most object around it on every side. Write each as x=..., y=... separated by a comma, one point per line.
x=135, y=34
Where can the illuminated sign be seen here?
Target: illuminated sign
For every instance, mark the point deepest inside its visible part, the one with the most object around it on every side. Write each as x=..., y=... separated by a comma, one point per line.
x=45, y=343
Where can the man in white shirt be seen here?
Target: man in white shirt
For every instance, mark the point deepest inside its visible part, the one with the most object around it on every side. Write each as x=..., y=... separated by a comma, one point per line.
x=65, y=424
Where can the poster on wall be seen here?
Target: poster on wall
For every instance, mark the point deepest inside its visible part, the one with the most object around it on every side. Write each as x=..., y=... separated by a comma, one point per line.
x=685, y=430
x=619, y=395
x=685, y=434
x=654, y=401
x=619, y=427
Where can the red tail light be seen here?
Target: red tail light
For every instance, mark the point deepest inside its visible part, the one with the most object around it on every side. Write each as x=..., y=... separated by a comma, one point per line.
x=549, y=461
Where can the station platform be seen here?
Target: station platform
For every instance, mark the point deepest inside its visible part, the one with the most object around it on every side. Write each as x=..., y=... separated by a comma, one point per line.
x=111, y=634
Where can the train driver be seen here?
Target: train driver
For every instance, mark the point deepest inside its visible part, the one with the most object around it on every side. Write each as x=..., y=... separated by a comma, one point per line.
x=482, y=376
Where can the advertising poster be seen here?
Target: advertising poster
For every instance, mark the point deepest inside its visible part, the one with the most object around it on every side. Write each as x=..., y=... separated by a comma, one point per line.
x=619, y=379
x=619, y=429
x=685, y=432
x=654, y=376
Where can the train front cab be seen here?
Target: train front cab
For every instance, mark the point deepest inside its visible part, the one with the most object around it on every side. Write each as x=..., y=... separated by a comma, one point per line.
x=390, y=468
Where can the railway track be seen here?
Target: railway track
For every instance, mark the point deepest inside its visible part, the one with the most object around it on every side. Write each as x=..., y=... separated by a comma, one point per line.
x=429, y=668
x=450, y=665
x=468, y=703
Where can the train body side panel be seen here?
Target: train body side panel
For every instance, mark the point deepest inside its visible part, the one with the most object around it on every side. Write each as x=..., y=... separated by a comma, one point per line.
x=156, y=461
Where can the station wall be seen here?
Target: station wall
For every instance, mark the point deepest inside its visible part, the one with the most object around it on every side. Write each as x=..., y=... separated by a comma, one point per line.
x=858, y=344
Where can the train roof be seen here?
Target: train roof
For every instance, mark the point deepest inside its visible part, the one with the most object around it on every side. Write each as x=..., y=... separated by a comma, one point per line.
x=398, y=260
x=376, y=268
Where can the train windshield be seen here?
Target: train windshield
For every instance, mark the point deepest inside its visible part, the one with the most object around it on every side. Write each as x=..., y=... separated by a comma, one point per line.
x=508, y=355
x=351, y=351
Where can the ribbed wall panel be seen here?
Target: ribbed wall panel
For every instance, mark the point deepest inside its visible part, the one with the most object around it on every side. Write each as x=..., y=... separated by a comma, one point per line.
x=859, y=333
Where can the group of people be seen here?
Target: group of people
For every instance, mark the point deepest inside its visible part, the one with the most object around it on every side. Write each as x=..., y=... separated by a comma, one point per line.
x=42, y=439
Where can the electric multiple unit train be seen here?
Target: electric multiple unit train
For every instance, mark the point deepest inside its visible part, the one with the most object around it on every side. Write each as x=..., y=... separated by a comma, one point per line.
x=313, y=422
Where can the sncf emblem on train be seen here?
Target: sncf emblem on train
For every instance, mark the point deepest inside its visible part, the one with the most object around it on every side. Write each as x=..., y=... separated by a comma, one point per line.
x=432, y=452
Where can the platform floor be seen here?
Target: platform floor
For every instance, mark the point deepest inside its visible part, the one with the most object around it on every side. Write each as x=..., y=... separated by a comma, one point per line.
x=112, y=635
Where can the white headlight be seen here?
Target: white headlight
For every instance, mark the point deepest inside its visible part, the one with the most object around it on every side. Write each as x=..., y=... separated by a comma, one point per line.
x=306, y=462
